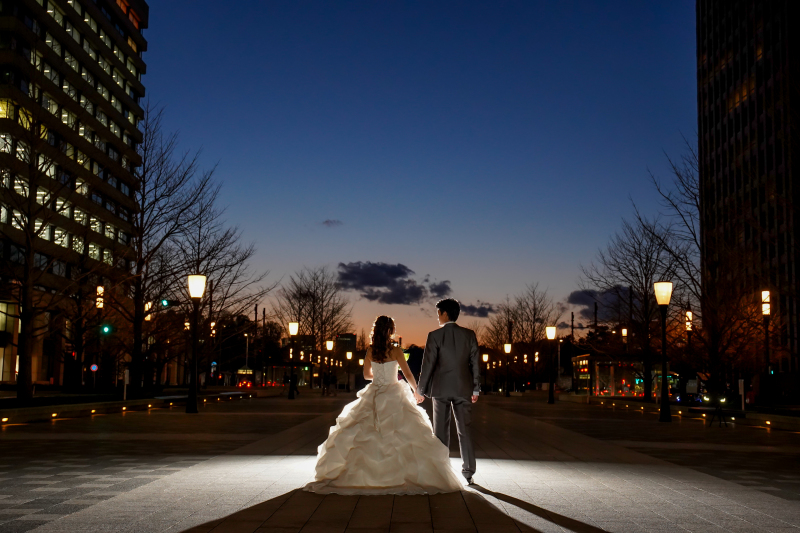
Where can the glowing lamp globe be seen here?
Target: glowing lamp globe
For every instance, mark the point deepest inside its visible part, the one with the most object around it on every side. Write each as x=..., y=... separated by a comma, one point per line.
x=550, y=331
x=663, y=290
x=329, y=345
x=507, y=348
x=765, y=308
x=486, y=358
x=197, y=285
x=349, y=355
x=294, y=327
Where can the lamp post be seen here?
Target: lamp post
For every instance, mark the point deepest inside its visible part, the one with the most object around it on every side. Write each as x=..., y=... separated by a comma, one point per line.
x=349, y=356
x=765, y=310
x=689, y=319
x=294, y=327
x=550, y=331
x=329, y=363
x=507, y=350
x=485, y=374
x=663, y=290
x=197, y=285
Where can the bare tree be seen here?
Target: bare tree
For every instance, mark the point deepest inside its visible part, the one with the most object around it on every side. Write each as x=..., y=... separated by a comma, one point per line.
x=534, y=311
x=313, y=297
x=170, y=185
x=715, y=272
x=635, y=258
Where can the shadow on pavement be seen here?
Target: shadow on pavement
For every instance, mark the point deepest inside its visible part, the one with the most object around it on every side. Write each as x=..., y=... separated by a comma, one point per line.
x=564, y=521
x=298, y=511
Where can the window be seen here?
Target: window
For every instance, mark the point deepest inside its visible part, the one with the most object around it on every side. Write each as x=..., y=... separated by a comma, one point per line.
x=105, y=38
x=116, y=103
x=112, y=181
x=86, y=75
x=43, y=196
x=123, y=214
x=107, y=259
x=105, y=65
x=23, y=151
x=18, y=220
x=72, y=31
x=61, y=237
x=82, y=160
x=49, y=104
x=70, y=90
x=52, y=43
x=77, y=244
x=91, y=22
x=68, y=118
x=56, y=13
x=102, y=117
x=125, y=189
x=131, y=67
x=87, y=105
x=60, y=267
x=119, y=54
x=21, y=186
x=94, y=251
x=96, y=225
x=132, y=44
x=103, y=92
x=89, y=50
x=85, y=132
x=118, y=78
x=115, y=129
x=50, y=73
x=63, y=206
x=5, y=143
x=123, y=238
x=96, y=198
x=71, y=61
x=80, y=216
x=81, y=187
x=43, y=230
x=113, y=154
x=111, y=232
x=73, y=4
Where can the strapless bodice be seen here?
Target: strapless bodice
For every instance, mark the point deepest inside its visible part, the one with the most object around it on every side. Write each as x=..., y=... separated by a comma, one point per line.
x=384, y=373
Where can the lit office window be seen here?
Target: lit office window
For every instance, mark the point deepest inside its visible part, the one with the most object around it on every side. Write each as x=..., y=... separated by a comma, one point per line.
x=96, y=225
x=111, y=231
x=61, y=237
x=52, y=43
x=49, y=103
x=105, y=65
x=70, y=90
x=21, y=186
x=77, y=244
x=89, y=50
x=115, y=129
x=87, y=76
x=63, y=206
x=107, y=258
x=70, y=60
x=103, y=92
x=94, y=251
x=68, y=118
x=72, y=31
x=80, y=216
x=91, y=22
x=5, y=143
x=56, y=13
x=102, y=117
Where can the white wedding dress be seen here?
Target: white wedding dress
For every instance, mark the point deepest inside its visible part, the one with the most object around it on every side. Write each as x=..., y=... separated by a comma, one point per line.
x=383, y=443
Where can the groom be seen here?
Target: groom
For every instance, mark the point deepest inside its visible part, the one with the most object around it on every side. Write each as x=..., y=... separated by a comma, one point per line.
x=451, y=376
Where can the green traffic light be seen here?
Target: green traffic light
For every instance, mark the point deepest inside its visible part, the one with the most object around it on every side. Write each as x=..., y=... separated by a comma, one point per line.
x=106, y=329
x=164, y=303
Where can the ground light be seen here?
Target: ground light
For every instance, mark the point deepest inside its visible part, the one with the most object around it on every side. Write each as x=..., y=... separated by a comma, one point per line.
x=5, y=420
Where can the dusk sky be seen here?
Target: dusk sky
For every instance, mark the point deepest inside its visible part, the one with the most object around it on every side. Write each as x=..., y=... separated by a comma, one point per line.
x=487, y=144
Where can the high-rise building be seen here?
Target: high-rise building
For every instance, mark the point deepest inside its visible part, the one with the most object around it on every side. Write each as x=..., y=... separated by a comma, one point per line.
x=747, y=98
x=70, y=90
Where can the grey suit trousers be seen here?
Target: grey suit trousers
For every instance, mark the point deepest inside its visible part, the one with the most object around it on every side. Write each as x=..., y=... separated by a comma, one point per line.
x=462, y=409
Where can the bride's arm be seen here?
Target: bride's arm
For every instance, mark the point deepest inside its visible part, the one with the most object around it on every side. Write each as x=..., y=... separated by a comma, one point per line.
x=401, y=361
x=368, y=365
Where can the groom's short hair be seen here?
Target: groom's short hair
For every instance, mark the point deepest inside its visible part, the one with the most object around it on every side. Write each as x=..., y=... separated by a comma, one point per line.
x=449, y=306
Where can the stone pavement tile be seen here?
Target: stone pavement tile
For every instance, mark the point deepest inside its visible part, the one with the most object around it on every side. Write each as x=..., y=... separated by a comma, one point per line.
x=332, y=515
x=486, y=517
x=295, y=511
x=449, y=512
x=372, y=513
x=242, y=526
x=618, y=526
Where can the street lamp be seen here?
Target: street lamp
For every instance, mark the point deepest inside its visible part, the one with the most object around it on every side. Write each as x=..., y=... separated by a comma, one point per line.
x=765, y=310
x=689, y=318
x=294, y=327
x=507, y=350
x=663, y=290
x=550, y=331
x=197, y=286
x=328, y=363
x=349, y=356
x=485, y=375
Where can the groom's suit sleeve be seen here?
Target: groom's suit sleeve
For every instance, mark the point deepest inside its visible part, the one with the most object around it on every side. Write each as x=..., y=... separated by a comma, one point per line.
x=475, y=366
x=429, y=358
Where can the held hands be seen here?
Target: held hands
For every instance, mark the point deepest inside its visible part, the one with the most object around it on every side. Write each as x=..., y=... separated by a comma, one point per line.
x=474, y=398
x=418, y=397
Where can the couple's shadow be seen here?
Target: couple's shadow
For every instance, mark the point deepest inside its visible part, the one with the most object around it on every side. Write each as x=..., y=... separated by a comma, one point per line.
x=467, y=511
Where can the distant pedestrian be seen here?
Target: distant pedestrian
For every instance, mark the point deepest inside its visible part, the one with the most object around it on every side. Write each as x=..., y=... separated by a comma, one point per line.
x=326, y=383
x=293, y=384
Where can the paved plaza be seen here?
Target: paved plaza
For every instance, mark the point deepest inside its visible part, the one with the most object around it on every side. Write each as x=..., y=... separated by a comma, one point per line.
x=237, y=467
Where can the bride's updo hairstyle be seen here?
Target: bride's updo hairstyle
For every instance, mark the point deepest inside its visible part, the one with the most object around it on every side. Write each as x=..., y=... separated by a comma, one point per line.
x=380, y=337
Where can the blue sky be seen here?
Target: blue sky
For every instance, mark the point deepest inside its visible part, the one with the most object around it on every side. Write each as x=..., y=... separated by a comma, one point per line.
x=491, y=144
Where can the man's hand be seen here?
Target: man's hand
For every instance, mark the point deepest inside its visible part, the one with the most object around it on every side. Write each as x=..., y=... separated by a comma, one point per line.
x=474, y=398
x=419, y=397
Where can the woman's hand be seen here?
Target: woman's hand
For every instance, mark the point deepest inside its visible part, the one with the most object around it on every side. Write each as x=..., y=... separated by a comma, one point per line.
x=419, y=397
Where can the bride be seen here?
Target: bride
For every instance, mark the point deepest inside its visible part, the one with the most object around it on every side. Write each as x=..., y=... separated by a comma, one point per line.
x=383, y=442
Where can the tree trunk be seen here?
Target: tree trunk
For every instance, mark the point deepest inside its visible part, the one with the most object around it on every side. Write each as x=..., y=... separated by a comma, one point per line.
x=25, y=343
x=138, y=328
x=647, y=370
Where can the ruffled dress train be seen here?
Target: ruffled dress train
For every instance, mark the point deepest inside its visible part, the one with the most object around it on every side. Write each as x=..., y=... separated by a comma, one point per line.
x=383, y=443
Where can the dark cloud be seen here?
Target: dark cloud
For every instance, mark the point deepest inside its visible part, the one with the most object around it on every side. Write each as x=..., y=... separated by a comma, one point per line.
x=331, y=223
x=609, y=302
x=404, y=292
x=440, y=289
x=382, y=282
x=360, y=276
x=481, y=310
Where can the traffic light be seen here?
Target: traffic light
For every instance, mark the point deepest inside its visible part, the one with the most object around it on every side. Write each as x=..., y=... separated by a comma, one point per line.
x=106, y=329
x=169, y=303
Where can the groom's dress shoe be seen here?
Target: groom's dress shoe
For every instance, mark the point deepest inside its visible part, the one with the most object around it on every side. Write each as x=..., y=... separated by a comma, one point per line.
x=469, y=481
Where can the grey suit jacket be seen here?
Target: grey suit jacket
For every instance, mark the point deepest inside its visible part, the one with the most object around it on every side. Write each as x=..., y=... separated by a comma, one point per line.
x=450, y=364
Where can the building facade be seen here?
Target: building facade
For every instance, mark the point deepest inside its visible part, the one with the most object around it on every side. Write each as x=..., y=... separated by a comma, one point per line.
x=70, y=92
x=747, y=99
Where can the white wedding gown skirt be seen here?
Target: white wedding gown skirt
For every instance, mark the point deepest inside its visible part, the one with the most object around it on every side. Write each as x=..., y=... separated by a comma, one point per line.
x=383, y=443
